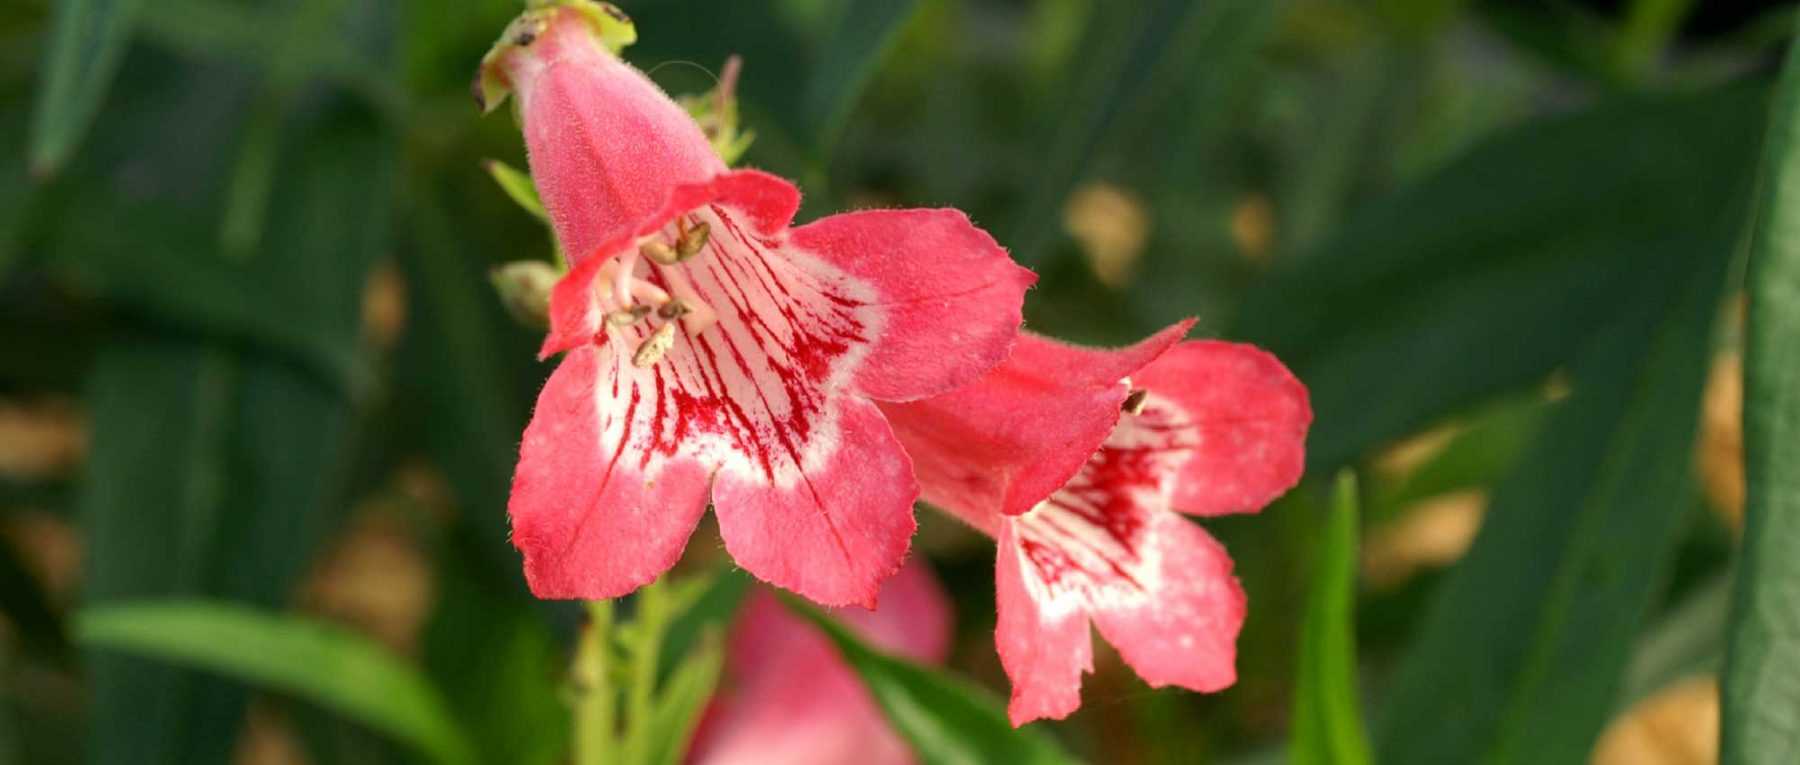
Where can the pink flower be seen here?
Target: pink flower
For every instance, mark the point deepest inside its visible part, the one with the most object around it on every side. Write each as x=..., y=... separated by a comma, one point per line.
x=712, y=351
x=790, y=697
x=1081, y=498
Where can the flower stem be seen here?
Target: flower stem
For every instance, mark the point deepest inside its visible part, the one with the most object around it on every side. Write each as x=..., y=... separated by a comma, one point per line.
x=652, y=605
x=594, y=713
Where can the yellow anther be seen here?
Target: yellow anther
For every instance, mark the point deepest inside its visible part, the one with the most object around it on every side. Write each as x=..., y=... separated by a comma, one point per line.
x=659, y=253
x=692, y=240
x=654, y=347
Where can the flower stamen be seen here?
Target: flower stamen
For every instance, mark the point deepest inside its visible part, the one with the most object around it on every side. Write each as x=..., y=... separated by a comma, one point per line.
x=625, y=317
x=691, y=241
x=659, y=253
x=655, y=346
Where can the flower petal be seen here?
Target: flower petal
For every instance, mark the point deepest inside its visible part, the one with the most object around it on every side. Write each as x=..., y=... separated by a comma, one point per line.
x=1186, y=632
x=604, y=142
x=1043, y=641
x=1248, y=418
x=836, y=526
x=593, y=519
x=951, y=296
x=1004, y=443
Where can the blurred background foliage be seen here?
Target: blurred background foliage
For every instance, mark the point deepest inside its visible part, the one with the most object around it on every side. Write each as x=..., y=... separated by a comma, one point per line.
x=248, y=351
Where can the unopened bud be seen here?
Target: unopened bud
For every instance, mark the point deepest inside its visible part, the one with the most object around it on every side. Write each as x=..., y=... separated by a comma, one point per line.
x=524, y=288
x=654, y=347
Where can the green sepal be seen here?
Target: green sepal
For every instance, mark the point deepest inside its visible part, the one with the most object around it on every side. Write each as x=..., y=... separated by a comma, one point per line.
x=716, y=112
x=611, y=28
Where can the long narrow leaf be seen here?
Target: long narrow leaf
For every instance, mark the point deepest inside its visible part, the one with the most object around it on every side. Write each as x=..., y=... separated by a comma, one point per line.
x=1761, y=685
x=320, y=663
x=87, y=42
x=1520, y=660
x=1505, y=265
x=1328, y=724
x=865, y=32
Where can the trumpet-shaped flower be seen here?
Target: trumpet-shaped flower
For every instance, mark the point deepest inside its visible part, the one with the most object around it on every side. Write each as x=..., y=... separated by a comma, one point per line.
x=1076, y=460
x=789, y=696
x=711, y=350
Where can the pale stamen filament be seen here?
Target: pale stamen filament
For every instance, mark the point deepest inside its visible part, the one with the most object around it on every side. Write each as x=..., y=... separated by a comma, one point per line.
x=699, y=316
x=629, y=299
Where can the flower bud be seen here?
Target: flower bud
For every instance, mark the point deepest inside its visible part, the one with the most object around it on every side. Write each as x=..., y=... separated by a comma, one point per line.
x=524, y=287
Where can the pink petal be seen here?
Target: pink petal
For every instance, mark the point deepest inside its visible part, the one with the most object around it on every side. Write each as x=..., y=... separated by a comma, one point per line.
x=790, y=697
x=1042, y=638
x=1249, y=416
x=605, y=143
x=592, y=518
x=951, y=295
x=1004, y=443
x=914, y=618
x=835, y=522
x=1186, y=632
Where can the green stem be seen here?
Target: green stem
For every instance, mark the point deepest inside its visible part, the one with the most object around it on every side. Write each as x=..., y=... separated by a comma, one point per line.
x=594, y=713
x=652, y=603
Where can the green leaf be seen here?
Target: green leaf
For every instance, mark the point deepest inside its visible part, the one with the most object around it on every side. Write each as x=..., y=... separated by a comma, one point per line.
x=1119, y=54
x=1686, y=641
x=1521, y=656
x=707, y=608
x=1761, y=684
x=1488, y=444
x=1503, y=266
x=1328, y=723
x=87, y=44
x=683, y=696
x=220, y=456
x=948, y=721
x=518, y=187
x=321, y=663
x=865, y=32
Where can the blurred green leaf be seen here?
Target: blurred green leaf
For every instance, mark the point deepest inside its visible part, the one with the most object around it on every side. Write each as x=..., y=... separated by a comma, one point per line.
x=518, y=188
x=220, y=455
x=864, y=34
x=487, y=640
x=1120, y=53
x=1761, y=683
x=1490, y=274
x=87, y=43
x=1521, y=656
x=1328, y=721
x=683, y=696
x=318, y=662
x=1687, y=640
x=711, y=608
x=1487, y=445
x=946, y=720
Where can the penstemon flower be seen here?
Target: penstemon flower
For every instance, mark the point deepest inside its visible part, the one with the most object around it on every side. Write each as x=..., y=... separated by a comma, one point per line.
x=789, y=696
x=713, y=351
x=1076, y=460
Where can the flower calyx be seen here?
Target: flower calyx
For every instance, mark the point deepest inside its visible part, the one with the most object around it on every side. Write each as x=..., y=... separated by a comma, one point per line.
x=612, y=29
